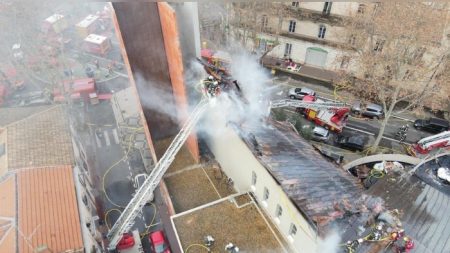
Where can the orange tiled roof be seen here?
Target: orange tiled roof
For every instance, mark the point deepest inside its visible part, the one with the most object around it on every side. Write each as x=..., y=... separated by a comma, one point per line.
x=47, y=211
x=7, y=214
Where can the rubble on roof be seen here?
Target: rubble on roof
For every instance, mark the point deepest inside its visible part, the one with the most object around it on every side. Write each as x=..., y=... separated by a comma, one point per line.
x=319, y=189
x=419, y=201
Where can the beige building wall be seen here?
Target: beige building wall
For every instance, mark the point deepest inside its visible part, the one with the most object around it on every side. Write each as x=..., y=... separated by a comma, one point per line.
x=337, y=8
x=239, y=163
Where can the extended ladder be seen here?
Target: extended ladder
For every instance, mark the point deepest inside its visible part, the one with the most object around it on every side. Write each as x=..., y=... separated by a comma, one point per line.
x=444, y=136
x=145, y=192
x=306, y=104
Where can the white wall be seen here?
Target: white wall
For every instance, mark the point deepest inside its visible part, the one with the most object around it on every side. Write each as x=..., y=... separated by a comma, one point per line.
x=298, y=52
x=86, y=215
x=238, y=163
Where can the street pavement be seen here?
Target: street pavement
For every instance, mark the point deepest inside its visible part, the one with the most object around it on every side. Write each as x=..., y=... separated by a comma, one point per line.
x=360, y=126
x=113, y=171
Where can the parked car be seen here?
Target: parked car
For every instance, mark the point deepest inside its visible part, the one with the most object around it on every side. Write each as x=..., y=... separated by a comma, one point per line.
x=158, y=242
x=320, y=134
x=372, y=110
x=299, y=93
x=354, y=143
x=432, y=125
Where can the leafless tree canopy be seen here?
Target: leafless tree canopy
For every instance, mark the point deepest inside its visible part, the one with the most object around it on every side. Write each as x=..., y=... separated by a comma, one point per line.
x=400, y=54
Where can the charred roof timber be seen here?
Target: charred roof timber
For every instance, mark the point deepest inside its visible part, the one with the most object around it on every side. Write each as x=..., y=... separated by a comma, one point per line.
x=321, y=191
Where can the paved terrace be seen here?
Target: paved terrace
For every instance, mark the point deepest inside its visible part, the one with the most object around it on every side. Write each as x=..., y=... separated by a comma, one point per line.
x=235, y=219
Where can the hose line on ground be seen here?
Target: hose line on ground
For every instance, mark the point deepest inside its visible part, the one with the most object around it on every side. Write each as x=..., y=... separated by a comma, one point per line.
x=198, y=245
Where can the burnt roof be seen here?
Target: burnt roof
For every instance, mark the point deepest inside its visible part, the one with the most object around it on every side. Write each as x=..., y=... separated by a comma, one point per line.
x=315, y=185
x=424, y=202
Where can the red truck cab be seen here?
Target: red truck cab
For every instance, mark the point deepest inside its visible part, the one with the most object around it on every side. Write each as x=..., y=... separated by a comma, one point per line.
x=126, y=242
x=159, y=243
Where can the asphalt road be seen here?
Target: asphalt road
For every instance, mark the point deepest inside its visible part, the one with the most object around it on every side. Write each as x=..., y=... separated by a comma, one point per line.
x=112, y=173
x=360, y=126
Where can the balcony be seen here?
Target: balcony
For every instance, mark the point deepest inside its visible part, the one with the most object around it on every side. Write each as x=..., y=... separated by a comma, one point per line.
x=315, y=16
x=316, y=40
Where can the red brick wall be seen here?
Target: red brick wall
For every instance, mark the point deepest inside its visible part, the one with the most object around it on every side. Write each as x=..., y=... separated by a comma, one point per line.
x=174, y=58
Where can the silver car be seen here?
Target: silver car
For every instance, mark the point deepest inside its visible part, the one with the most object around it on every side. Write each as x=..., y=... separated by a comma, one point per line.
x=300, y=93
x=320, y=134
x=373, y=111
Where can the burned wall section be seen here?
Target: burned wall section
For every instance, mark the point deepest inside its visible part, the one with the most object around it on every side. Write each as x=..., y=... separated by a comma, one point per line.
x=142, y=36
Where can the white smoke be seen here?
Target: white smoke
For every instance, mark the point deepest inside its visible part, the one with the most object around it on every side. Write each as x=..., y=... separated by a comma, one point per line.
x=330, y=244
x=153, y=97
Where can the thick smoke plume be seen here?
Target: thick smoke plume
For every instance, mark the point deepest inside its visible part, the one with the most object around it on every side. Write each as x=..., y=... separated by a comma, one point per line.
x=329, y=244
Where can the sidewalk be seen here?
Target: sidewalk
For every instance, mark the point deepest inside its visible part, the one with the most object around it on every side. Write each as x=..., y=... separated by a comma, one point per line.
x=306, y=73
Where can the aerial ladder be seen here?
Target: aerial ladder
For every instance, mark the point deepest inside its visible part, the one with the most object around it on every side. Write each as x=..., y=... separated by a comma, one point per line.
x=427, y=144
x=327, y=114
x=145, y=192
x=306, y=104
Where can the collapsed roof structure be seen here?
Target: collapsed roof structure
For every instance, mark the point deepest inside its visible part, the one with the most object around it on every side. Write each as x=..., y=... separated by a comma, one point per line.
x=319, y=189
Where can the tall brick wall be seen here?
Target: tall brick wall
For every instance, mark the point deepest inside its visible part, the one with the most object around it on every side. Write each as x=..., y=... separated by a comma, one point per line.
x=175, y=60
x=150, y=37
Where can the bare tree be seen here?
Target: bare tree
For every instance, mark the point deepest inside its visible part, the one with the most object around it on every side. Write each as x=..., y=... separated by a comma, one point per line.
x=398, y=54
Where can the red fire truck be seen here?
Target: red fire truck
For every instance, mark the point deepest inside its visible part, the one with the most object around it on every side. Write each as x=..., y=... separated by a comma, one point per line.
x=97, y=44
x=427, y=144
x=9, y=82
x=333, y=119
x=78, y=89
x=219, y=60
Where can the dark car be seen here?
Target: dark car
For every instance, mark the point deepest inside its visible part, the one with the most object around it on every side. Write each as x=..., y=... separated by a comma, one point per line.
x=432, y=125
x=354, y=143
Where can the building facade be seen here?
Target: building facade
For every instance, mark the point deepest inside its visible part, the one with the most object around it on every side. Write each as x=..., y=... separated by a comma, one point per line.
x=306, y=32
x=287, y=177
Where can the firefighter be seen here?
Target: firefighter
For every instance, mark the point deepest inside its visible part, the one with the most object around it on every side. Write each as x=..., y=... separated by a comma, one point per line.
x=209, y=86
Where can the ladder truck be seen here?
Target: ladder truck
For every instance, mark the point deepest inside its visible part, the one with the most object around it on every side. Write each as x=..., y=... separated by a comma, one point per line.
x=427, y=144
x=330, y=115
x=145, y=192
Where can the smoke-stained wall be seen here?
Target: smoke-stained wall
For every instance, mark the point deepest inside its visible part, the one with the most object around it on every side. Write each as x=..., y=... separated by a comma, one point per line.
x=151, y=39
x=140, y=27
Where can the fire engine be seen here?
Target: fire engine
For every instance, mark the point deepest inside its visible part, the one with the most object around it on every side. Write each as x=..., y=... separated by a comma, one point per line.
x=218, y=61
x=78, y=89
x=9, y=82
x=427, y=144
x=333, y=119
x=87, y=26
x=97, y=44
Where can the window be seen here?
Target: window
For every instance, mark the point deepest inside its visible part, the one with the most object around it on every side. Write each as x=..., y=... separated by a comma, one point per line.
x=288, y=49
x=344, y=62
x=278, y=211
x=254, y=178
x=292, y=24
x=322, y=30
x=379, y=45
x=361, y=8
x=327, y=8
x=266, y=194
x=352, y=40
x=264, y=22
x=292, y=230
x=295, y=4
x=418, y=53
